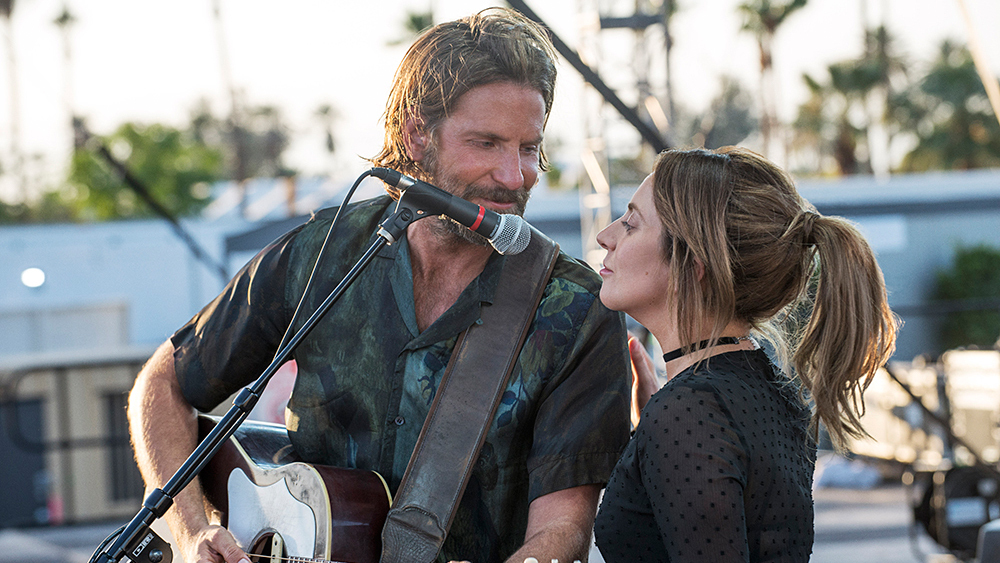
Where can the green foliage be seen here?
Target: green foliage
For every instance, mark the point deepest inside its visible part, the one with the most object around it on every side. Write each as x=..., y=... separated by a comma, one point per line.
x=950, y=113
x=763, y=17
x=252, y=146
x=975, y=274
x=729, y=119
x=415, y=23
x=835, y=122
x=174, y=166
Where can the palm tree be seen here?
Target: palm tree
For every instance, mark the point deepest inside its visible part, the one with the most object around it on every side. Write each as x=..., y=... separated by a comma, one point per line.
x=810, y=127
x=860, y=94
x=17, y=159
x=951, y=115
x=828, y=122
x=414, y=24
x=669, y=10
x=890, y=69
x=762, y=18
x=64, y=22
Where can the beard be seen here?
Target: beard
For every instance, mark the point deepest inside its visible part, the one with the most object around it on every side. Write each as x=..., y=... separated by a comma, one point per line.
x=447, y=227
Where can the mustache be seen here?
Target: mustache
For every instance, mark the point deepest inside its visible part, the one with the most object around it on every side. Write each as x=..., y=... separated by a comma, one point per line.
x=519, y=197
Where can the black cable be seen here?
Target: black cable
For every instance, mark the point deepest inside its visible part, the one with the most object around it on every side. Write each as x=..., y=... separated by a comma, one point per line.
x=107, y=541
x=319, y=256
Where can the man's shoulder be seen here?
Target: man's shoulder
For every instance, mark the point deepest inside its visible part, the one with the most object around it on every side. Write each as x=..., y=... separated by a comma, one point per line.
x=365, y=210
x=575, y=275
x=358, y=222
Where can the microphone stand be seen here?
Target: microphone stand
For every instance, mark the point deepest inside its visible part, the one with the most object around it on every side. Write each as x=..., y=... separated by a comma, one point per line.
x=137, y=541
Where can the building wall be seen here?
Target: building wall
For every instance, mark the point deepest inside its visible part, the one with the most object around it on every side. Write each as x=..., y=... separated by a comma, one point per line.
x=89, y=470
x=914, y=223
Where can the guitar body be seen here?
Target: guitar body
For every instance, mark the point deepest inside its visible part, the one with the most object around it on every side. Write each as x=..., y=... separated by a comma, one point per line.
x=278, y=506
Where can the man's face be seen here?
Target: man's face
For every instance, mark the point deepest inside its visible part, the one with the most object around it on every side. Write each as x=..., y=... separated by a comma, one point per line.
x=487, y=150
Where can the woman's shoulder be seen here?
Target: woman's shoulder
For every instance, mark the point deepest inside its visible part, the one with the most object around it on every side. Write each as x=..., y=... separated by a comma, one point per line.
x=719, y=380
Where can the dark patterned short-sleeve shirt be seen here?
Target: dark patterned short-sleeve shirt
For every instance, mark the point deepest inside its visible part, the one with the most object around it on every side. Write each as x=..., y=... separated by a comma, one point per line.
x=719, y=469
x=367, y=376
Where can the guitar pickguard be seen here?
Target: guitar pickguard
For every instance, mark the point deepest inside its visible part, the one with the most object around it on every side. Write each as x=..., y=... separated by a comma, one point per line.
x=271, y=507
x=260, y=486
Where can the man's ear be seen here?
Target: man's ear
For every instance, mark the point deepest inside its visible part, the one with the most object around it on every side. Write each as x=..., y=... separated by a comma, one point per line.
x=414, y=138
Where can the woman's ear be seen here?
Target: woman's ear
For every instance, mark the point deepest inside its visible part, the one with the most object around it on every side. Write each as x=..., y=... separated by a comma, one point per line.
x=414, y=138
x=699, y=269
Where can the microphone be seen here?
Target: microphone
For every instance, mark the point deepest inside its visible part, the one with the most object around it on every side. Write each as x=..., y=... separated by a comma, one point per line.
x=507, y=233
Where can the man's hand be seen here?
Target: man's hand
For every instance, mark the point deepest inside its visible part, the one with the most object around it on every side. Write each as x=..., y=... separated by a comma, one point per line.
x=644, y=381
x=214, y=544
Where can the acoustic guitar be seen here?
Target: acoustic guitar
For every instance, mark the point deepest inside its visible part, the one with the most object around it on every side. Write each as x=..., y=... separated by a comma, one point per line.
x=281, y=509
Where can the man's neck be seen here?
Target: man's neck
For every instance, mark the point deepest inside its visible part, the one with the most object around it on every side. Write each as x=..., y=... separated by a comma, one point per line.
x=442, y=265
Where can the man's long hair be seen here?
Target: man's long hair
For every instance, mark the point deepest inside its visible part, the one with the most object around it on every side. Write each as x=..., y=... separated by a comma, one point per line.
x=495, y=45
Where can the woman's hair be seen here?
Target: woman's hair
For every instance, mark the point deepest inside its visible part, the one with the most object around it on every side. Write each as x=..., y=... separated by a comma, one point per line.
x=760, y=245
x=495, y=45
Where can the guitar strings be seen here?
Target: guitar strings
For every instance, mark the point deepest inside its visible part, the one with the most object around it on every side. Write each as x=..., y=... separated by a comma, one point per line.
x=257, y=558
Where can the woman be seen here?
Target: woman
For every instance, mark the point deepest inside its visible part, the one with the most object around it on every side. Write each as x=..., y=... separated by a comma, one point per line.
x=717, y=250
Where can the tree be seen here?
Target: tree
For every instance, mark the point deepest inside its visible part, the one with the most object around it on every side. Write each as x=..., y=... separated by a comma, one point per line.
x=891, y=70
x=763, y=18
x=670, y=9
x=836, y=122
x=416, y=22
x=729, y=119
x=64, y=22
x=17, y=159
x=175, y=166
x=951, y=116
x=253, y=148
x=974, y=274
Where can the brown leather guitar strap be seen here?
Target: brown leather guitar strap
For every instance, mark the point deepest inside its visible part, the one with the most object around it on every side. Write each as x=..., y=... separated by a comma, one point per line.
x=462, y=412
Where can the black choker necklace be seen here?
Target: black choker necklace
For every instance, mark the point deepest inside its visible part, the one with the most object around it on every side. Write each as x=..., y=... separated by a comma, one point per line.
x=674, y=354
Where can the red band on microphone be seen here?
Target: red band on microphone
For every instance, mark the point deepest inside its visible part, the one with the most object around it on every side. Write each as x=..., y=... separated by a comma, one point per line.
x=479, y=219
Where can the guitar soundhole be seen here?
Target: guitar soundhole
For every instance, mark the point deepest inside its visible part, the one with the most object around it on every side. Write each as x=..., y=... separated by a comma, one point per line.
x=269, y=547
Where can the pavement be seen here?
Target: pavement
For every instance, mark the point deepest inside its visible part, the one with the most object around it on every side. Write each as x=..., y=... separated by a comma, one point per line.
x=871, y=525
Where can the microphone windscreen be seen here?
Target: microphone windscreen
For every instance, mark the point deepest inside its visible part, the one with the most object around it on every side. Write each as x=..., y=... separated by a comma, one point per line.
x=512, y=235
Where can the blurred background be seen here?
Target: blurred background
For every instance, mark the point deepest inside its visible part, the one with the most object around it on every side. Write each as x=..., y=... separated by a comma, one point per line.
x=148, y=150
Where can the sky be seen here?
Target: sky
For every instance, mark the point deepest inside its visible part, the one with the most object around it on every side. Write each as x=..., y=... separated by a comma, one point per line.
x=154, y=61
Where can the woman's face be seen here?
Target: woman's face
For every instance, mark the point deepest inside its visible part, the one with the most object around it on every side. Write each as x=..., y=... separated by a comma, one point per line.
x=636, y=276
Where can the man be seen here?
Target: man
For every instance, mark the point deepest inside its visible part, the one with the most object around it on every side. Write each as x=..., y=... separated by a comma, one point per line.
x=467, y=113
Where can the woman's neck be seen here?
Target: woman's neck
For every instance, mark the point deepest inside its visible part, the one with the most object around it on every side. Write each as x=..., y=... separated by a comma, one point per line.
x=669, y=339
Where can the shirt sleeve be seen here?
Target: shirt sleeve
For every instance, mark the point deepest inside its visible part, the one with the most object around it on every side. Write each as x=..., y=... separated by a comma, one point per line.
x=694, y=469
x=582, y=424
x=233, y=339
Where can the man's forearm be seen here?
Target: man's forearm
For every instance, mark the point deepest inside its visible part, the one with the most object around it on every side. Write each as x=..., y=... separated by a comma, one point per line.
x=560, y=526
x=562, y=542
x=164, y=432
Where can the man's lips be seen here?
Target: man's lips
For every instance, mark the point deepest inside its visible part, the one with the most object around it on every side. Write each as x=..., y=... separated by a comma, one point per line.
x=498, y=206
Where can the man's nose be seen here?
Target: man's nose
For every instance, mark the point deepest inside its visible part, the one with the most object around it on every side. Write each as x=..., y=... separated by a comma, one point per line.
x=509, y=172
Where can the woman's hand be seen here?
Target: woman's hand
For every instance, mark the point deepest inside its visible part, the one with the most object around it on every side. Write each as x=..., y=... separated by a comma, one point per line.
x=644, y=381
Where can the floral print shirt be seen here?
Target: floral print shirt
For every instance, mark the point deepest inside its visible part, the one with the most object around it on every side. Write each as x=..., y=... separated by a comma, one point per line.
x=367, y=375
